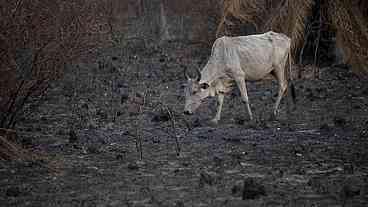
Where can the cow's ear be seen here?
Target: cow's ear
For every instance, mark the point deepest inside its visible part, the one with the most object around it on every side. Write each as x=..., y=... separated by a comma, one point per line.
x=204, y=85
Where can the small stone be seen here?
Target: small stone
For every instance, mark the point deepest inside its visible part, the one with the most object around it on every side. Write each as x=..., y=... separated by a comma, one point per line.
x=237, y=189
x=162, y=59
x=133, y=166
x=122, y=85
x=348, y=168
x=218, y=161
x=120, y=156
x=339, y=121
x=239, y=121
x=85, y=106
x=252, y=189
x=27, y=141
x=179, y=204
x=93, y=150
x=325, y=128
x=352, y=186
x=208, y=178
x=124, y=98
x=72, y=136
x=162, y=117
x=102, y=114
x=13, y=192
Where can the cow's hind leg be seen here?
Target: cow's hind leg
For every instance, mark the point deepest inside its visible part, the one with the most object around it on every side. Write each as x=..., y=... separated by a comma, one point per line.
x=220, y=101
x=279, y=73
x=244, y=94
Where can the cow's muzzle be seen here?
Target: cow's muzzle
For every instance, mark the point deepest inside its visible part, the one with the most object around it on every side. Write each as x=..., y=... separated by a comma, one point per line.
x=186, y=112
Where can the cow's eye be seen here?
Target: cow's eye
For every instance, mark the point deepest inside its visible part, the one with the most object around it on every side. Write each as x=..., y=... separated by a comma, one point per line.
x=204, y=85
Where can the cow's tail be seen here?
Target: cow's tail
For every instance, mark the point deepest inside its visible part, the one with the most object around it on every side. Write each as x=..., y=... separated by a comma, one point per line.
x=291, y=85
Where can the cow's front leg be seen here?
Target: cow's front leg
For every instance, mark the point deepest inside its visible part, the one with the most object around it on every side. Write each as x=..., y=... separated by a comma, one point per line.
x=244, y=94
x=220, y=101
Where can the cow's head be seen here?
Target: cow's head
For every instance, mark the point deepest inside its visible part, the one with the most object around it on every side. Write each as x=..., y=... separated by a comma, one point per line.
x=195, y=92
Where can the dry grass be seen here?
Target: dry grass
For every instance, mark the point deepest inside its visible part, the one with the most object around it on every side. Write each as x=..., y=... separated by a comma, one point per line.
x=288, y=17
x=349, y=18
x=352, y=32
x=250, y=11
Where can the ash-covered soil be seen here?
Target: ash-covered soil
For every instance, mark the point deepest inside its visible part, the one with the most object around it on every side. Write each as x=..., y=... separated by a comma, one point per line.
x=112, y=133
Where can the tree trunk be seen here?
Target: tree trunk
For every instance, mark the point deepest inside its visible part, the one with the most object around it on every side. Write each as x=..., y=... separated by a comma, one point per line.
x=164, y=27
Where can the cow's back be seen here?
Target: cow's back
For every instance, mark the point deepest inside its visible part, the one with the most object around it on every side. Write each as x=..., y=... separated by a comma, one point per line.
x=255, y=54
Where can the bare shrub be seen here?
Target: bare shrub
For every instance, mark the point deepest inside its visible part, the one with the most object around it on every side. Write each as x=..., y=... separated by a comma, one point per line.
x=38, y=39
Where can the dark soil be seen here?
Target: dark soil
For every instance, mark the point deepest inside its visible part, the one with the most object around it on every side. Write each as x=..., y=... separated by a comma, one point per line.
x=112, y=133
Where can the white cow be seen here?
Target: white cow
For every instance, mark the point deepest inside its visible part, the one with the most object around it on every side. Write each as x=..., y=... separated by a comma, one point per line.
x=237, y=60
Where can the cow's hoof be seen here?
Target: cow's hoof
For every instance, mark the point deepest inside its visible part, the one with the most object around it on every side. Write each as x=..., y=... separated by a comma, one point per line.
x=253, y=124
x=214, y=121
x=273, y=117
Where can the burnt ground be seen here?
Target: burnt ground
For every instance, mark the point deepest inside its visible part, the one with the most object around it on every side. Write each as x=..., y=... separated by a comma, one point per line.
x=89, y=130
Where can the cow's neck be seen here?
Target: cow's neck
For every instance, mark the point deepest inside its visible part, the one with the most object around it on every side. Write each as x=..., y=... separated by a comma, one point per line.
x=209, y=73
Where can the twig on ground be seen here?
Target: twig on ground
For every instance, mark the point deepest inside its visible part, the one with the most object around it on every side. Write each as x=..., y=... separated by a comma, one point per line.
x=138, y=137
x=173, y=126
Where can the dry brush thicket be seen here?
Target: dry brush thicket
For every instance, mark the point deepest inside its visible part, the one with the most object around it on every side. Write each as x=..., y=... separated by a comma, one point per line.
x=152, y=22
x=38, y=38
x=346, y=20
